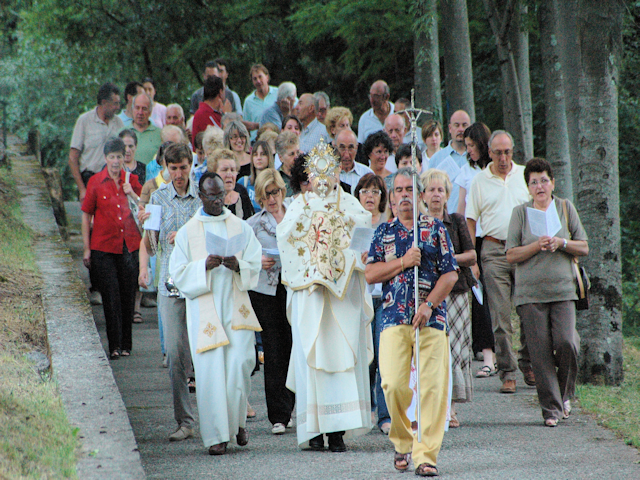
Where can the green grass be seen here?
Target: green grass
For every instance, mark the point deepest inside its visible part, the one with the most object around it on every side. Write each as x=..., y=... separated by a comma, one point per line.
x=618, y=408
x=36, y=440
x=15, y=237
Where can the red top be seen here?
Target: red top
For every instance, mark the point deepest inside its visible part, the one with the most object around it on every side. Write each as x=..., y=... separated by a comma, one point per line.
x=204, y=117
x=113, y=223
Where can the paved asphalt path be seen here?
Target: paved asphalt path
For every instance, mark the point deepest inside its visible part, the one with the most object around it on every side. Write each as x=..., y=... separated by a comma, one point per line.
x=501, y=437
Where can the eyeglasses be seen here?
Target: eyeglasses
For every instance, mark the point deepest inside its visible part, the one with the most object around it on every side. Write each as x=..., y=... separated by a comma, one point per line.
x=272, y=193
x=499, y=153
x=375, y=192
x=543, y=182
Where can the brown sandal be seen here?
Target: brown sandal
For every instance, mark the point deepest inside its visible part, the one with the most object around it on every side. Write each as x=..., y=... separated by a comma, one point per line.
x=426, y=470
x=401, y=461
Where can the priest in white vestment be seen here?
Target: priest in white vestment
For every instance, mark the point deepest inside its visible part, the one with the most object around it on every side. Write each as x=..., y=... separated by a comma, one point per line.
x=220, y=320
x=329, y=308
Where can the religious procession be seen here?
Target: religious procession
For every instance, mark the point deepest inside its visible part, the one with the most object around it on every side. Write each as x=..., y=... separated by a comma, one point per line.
x=363, y=272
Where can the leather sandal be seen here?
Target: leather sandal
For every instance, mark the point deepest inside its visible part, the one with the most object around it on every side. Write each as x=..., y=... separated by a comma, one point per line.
x=426, y=470
x=401, y=461
x=551, y=422
x=485, y=372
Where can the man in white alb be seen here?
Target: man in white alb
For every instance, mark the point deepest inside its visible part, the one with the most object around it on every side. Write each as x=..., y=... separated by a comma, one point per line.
x=220, y=320
x=329, y=308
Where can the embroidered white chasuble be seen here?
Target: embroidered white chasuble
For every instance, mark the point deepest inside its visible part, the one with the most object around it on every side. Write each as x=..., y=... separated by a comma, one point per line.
x=221, y=331
x=330, y=310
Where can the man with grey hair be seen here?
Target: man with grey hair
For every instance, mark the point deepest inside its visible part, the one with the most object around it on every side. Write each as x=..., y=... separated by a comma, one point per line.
x=494, y=193
x=312, y=129
x=149, y=139
x=391, y=261
x=373, y=119
x=283, y=106
x=175, y=116
x=322, y=104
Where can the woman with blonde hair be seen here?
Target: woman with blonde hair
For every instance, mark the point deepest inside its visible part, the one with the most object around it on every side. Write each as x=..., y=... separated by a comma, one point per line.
x=269, y=301
x=437, y=188
x=337, y=118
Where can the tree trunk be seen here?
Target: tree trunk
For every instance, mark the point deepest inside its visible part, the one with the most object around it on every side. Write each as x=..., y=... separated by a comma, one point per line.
x=570, y=58
x=426, y=54
x=519, y=39
x=457, y=58
x=596, y=189
x=500, y=20
x=553, y=69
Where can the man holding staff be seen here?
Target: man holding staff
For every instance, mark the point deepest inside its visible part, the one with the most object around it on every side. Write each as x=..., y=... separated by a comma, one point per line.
x=391, y=260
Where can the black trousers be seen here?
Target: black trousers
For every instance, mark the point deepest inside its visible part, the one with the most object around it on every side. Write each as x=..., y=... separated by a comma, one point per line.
x=276, y=341
x=481, y=329
x=116, y=277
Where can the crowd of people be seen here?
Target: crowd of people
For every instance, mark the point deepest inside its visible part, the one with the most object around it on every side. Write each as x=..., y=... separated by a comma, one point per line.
x=244, y=219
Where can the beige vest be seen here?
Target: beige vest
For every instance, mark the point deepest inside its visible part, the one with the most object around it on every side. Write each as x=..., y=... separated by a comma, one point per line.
x=211, y=334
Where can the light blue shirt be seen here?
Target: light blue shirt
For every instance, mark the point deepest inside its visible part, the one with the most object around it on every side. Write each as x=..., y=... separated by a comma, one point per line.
x=254, y=106
x=126, y=119
x=460, y=160
x=369, y=124
x=353, y=176
x=311, y=135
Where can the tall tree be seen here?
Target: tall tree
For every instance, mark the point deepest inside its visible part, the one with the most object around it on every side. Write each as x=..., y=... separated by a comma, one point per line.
x=571, y=60
x=457, y=57
x=557, y=137
x=596, y=188
x=426, y=53
x=519, y=39
x=502, y=18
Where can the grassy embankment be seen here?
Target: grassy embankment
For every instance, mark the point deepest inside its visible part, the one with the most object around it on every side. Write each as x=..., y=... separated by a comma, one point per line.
x=36, y=440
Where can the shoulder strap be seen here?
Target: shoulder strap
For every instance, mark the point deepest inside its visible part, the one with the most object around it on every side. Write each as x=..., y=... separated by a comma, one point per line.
x=566, y=217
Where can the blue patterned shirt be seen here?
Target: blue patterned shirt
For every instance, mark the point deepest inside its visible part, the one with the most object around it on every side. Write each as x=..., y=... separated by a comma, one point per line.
x=176, y=211
x=390, y=242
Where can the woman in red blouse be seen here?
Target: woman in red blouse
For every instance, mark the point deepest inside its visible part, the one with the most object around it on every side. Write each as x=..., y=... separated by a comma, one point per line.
x=111, y=247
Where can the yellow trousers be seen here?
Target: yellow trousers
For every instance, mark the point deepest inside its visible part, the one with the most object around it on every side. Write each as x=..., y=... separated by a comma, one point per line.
x=396, y=350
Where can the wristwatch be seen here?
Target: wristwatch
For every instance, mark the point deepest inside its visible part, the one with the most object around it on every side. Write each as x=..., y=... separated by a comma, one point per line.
x=429, y=304
x=564, y=247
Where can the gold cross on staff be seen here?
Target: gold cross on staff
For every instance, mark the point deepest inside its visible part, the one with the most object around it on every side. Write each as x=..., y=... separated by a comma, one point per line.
x=414, y=114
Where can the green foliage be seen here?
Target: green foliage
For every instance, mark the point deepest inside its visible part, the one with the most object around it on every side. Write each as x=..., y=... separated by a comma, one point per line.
x=629, y=115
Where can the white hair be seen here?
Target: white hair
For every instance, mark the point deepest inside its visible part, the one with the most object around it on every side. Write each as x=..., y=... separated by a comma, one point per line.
x=286, y=90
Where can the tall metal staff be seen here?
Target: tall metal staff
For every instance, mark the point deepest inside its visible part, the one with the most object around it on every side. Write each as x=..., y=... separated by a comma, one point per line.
x=414, y=113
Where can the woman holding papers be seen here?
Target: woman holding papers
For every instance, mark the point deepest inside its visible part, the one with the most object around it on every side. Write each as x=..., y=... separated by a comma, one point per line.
x=545, y=287
x=437, y=188
x=269, y=300
x=111, y=248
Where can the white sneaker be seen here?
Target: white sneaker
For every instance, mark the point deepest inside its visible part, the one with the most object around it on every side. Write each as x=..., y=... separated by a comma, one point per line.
x=278, y=429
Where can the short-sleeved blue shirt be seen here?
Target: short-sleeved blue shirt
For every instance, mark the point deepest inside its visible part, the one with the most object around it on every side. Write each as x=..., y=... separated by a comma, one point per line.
x=390, y=242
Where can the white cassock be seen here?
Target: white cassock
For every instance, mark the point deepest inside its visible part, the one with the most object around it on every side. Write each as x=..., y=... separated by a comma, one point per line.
x=222, y=348
x=330, y=310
